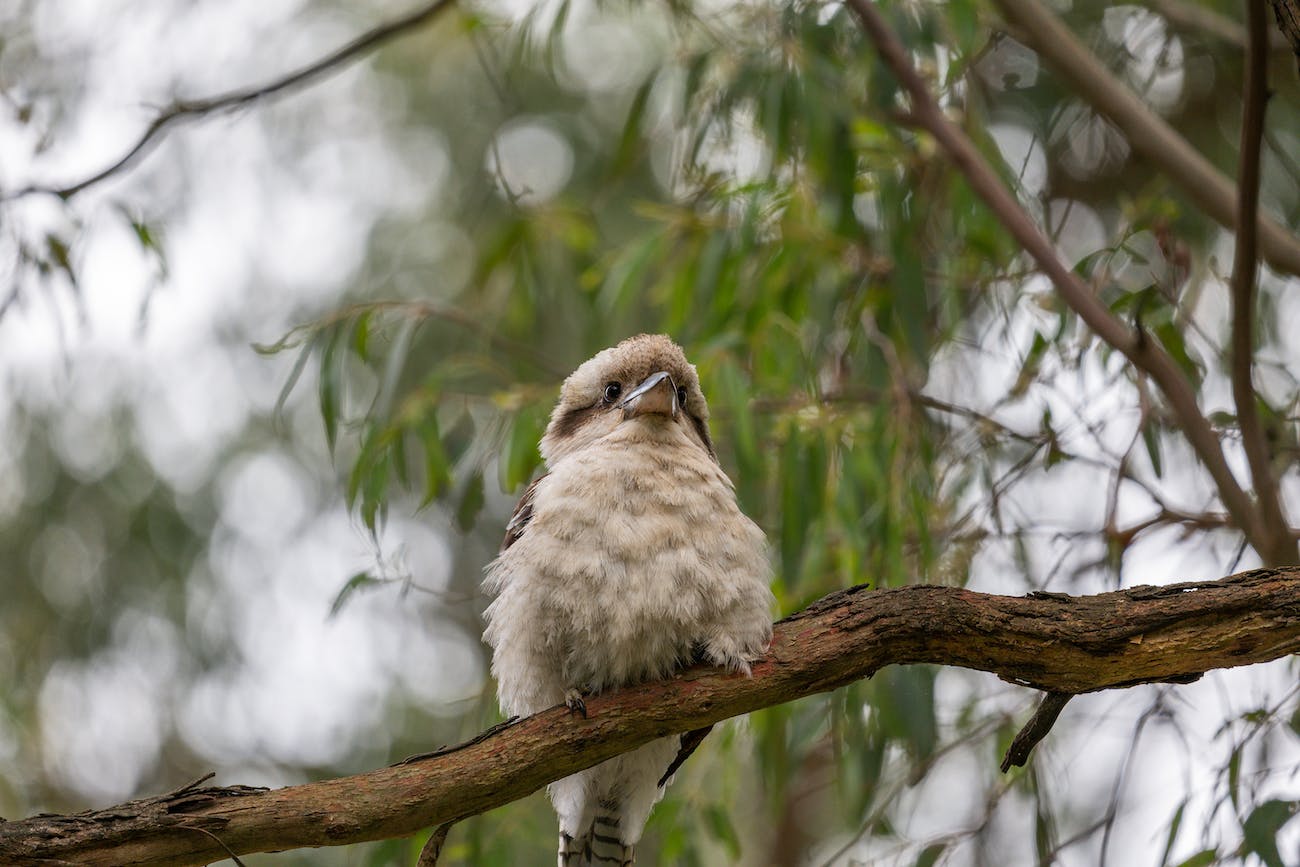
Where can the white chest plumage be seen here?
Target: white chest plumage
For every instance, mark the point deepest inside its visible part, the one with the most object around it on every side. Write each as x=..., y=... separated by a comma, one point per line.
x=635, y=557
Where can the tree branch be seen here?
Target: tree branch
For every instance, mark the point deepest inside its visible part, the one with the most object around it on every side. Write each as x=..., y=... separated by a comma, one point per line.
x=1144, y=353
x=1147, y=133
x=433, y=846
x=1034, y=730
x=1282, y=547
x=1057, y=644
x=192, y=109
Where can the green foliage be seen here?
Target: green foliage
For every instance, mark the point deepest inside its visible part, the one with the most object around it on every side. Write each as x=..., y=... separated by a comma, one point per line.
x=1262, y=826
x=1204, y=858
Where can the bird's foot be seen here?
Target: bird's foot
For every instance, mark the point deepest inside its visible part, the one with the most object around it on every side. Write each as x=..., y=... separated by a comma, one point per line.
x=573, y=699
x=728, y=654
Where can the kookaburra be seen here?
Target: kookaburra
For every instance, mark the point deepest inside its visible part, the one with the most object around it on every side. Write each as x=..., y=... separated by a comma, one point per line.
x=628, y=559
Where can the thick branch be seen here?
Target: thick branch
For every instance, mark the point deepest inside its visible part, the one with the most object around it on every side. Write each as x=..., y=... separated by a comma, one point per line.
x=191, y=109
x=1147, y=133
x=1059, y=644
x=1144, y=353
x=1281, y=548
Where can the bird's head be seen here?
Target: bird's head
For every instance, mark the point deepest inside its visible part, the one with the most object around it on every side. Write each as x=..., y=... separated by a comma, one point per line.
x=645, y=382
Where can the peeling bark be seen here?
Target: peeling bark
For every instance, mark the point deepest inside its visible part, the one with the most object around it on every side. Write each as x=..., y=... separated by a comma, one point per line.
x=1055, y=643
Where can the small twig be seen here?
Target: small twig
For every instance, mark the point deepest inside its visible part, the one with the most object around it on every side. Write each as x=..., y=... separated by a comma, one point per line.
x=194, y=785
x=433, y=846
x=219, y=842
x=1035, y=730
x=1112, y=810
x=443, y=750
x=1073, y=840
x=1278, y=547
x=190, y=109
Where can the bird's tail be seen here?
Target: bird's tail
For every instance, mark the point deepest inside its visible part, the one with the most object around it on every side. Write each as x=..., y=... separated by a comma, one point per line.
x=600, y=846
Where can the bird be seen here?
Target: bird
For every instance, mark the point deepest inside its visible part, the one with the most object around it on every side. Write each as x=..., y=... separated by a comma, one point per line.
x=628, y=559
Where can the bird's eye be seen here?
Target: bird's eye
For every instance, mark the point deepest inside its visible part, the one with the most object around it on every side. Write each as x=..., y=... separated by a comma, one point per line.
x=612, y=391
x=681, y=395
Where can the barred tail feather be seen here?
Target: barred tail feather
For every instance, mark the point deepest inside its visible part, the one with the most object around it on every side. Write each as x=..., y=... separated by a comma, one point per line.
x=606, y=843
x=572, y=850
x=600, y=846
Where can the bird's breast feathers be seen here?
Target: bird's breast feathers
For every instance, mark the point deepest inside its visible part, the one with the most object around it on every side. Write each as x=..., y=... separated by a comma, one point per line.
x=634, y=552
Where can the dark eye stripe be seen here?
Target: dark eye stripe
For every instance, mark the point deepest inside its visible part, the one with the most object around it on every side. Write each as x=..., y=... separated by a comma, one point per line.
x=572, y=420
x=703, y=430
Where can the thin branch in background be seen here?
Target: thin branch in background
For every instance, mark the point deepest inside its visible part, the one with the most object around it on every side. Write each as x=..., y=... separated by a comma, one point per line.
x=1112, y=809
x=1186, y=15
x=192, y=785
x=229, y=853
x=1244, y=267
x=182, y=110
x=886, y=792
x=1078, y=837
x=1144, y=353
x=1147, y=133
x=471, y=321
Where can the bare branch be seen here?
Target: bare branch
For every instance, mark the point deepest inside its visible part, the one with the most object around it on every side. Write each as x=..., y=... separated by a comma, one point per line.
x=1147, y=133
x=1244, y=268
x=1035, y=730
x=433, y=846
x=183, y=110
x=1144, y=353
x=1055, y=643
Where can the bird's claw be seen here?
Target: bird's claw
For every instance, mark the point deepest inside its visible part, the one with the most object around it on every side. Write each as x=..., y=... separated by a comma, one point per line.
x=574, y=701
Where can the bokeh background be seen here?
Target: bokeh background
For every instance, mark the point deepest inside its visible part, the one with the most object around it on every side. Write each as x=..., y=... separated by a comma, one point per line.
x=267, y=397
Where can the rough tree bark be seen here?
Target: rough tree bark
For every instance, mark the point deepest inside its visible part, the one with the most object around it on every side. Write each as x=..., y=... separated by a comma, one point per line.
x=1057, y=643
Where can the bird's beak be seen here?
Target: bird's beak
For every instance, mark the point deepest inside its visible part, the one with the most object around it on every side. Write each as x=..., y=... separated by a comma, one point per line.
x=657, y=394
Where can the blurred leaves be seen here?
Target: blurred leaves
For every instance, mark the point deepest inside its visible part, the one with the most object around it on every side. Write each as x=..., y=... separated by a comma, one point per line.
x=357, y=582
x=1262, y=826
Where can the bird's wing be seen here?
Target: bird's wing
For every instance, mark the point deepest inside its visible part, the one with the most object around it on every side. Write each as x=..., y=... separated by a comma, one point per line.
x=690, y=742
x=523, y=514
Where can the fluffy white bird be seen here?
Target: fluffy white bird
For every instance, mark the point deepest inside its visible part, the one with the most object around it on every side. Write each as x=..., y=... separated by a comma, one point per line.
x=625, y=561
